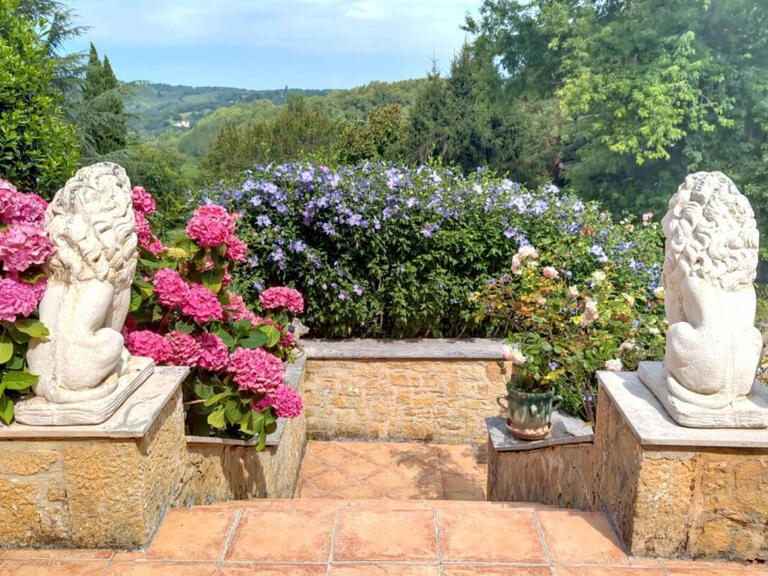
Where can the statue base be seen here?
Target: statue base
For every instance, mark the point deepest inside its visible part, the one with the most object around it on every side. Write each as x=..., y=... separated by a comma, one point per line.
x=749, y=411
x=38, y=411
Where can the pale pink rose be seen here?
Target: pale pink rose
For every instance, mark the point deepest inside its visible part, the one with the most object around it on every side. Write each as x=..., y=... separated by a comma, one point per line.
x=590, y=312
x=647, y=218
x=550, y=272
x=614, y=365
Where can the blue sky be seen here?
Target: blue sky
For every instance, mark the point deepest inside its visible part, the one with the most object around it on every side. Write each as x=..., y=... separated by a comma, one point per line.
x=273, y=43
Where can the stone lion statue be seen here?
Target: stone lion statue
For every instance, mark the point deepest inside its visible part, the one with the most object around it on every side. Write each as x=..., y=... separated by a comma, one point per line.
x=91, y=224
x=713, y=349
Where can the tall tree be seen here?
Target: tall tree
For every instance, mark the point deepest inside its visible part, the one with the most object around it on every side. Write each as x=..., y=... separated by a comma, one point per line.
x=101, y=123
x=38, y=148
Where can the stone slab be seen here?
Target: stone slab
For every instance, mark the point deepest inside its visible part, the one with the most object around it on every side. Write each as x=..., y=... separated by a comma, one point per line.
x=745, y=412
x=37, y=411
x=653, y=426
x=416, y=348
x=565, y=430
x=132, y=420
x=293, y=374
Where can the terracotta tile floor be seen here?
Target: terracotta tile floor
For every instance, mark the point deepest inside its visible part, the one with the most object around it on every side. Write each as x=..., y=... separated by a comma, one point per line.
x=393, y=470
x=316, y=537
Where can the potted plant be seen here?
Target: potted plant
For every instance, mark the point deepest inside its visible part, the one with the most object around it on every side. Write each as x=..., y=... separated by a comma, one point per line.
x=530, y=397
x=567, y=316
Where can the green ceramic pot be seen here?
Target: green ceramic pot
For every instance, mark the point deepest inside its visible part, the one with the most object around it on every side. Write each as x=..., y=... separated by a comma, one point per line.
x=529, y=415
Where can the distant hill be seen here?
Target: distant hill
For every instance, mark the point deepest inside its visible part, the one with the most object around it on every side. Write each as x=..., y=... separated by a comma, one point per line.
x=352, y=105
x=155, y=108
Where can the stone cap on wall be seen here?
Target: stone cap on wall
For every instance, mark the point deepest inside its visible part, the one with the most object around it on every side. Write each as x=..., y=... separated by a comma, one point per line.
x=565, y=430
x=652, y=426
x=293, y=374
x=132, y=420
x=411, y=349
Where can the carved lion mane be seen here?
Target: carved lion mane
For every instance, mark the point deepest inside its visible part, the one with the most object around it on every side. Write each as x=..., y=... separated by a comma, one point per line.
x=711, y=233
x=91, y=224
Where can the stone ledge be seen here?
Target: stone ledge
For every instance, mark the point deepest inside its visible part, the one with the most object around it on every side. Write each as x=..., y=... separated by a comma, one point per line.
x=565, y=430
x=293, y=375
x=412, y=349
x=132, y=420
x=652, y=426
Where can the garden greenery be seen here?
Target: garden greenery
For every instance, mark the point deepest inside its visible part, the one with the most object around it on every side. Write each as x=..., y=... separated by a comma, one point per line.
x=382, y=250
x=183, y=313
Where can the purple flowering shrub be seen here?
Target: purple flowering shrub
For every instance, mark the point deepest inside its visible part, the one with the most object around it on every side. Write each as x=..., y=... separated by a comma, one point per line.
x=381, y=250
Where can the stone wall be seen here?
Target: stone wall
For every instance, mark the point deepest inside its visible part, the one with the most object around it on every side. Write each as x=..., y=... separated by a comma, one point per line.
x=90, y=492
x=665, y=500
x=219, y=469
x=435, y=400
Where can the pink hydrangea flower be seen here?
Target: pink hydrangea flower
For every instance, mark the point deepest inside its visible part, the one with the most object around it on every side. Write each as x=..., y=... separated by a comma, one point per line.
x=214, y=355
x=22, y=245
x=202, y=305
x=143, y=201
x=287, y=340
x=284, y=400
x=237, y=250
x=211, y=225
x=7, y=200
x=256, y=369
x=237, y=310
x=143, y=230
x=29, y=208
x=550, y=272
x=227, y=280
x=282, y=297
x=39, y=288
x=17, y=298
x=149, y=344
x=185, y=350
x=171, y=289
x=156, y=246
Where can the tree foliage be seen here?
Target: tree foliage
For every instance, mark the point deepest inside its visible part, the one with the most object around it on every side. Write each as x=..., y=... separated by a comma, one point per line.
x=38, y=148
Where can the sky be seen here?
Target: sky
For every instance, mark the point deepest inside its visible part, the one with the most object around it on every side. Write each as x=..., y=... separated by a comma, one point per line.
x=263, y=44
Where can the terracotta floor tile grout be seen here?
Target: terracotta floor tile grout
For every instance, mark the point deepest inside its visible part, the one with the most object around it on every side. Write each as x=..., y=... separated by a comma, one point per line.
x=230, y=537
x=543, y=541
x=437, y=538
x=333, y=542
x=107, y=565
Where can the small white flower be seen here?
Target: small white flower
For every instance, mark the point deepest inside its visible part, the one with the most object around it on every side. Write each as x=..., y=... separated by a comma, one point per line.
x=654, y=331
x=513, y=354
x=614, y=365
x=627, y=345
x=590, y=312
x=598, y=275
x=573, y=292
x=628, y=299
x=659, y=292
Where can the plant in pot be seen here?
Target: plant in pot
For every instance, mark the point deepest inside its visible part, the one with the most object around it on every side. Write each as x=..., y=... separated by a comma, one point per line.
x=530, y=397
x=568, y=314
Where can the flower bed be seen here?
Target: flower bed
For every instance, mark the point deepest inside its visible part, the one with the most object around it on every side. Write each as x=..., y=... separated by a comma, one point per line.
x=24, y=247
x=183, y=313
x=388, y=251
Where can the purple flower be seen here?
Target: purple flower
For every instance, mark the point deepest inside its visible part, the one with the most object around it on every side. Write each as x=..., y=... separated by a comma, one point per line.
x=328, y=228
x=263, y=220
x=343, y=295
x=253, y=261
x=429, y=229
x=297, y=246
x=358, y=289
x=539, y=207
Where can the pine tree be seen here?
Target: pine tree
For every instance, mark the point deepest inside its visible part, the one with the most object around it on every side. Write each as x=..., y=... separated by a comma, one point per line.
x=101, y=122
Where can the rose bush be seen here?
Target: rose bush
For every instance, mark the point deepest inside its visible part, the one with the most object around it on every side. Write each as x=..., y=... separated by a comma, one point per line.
x=24, y=248
x=388, y=251
x=563, y=329
x=184, y=312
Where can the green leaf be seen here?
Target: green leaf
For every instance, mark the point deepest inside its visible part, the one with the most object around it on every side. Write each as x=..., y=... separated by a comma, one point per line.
x=232, y=410
x=32, y=327
x=6, y=348
x=135, y=302
x=216, y=418
x=184, y=327
x=272, y=334
x=216, y=397
x=6, y=409
x=212, y=280
x=202, y=390
x=255, y=339
x=15, y=380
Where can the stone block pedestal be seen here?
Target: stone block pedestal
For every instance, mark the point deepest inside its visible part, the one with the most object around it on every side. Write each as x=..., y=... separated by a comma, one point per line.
x=669, y=491
x=99, y=486
x=675, y=491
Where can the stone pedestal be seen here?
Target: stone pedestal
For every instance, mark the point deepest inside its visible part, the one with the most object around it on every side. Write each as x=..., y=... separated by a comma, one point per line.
x=674, y=491
x=105, y=485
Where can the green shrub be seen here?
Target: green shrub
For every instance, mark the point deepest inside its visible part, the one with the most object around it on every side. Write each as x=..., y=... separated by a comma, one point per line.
x=387, y=251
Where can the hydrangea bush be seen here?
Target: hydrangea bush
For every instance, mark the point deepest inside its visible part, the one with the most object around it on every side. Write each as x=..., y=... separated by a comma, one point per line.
x=562, y=330
x=24, y=248
x=388, y=251
x=184, y=312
